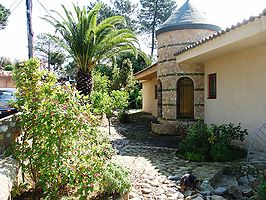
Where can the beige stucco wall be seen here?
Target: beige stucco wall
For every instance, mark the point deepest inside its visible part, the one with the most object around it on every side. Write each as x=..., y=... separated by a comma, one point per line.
x=241, y=84
x=149, y=103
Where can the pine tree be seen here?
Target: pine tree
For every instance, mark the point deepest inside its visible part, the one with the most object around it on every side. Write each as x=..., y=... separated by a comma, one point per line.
x=123, y=8
x=4, y=14
x=152, y=14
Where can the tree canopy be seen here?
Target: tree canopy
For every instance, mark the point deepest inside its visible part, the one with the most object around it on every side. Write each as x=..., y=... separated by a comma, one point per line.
x=49, y=51
x=152, y=14
x=123, y=8
x=4, y=14
x=89, y=42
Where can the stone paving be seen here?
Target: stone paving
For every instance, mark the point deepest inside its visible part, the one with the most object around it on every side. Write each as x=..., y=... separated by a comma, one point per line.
x=155, y=169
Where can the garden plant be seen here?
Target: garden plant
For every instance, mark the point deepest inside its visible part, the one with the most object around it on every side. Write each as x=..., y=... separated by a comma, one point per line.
x=60, y=151
x=204, y=143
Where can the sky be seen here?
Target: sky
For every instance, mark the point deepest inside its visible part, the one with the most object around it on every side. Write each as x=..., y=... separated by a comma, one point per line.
x=13, y=39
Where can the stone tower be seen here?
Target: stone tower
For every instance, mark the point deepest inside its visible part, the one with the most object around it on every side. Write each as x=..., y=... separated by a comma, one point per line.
x=184, y=27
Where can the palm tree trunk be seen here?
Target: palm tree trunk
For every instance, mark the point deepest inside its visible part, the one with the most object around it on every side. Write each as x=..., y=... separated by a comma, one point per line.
x=84, y=82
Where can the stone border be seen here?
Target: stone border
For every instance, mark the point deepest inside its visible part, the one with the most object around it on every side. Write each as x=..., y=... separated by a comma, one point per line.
x=8, y=131
x=8, y=174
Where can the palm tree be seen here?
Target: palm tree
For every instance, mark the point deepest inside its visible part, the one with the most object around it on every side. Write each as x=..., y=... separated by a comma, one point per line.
x=89, y=42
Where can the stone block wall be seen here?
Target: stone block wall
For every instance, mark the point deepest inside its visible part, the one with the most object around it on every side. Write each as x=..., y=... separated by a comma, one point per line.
x=169, y=90
x=8, y=131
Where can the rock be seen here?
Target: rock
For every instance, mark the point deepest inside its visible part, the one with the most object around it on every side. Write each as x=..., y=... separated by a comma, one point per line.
x=206, y=192
x=220, y=190
x=208, y=197
x=187, y=193
x=154, y=183
x=247, y=192
x=199, y=197
x=171, y=190
x=146, y=191
x=235, y=191
x=228, y=181
x=159, y=191
x=133, y=195
x=217, y=197
x=188, y=198
x=206, y=188
x=145, y=185
x=243, y=180
x=205, y=185
x=173, y=178
x=179, y=195
x=171, y=185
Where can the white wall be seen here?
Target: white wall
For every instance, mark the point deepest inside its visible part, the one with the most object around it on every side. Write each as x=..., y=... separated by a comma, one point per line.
x=149, y=103
x=241, y=89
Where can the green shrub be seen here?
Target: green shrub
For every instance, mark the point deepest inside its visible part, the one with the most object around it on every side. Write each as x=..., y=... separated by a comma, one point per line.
x=196, y=141
x=214, y=143
x=115, y=179
x=58, y=149
x=261, y=190
x=221, y=152
x=192, y=156
x=9, y=68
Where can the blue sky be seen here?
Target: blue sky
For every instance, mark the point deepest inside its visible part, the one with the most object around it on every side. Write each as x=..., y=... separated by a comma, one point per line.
x=13, y=39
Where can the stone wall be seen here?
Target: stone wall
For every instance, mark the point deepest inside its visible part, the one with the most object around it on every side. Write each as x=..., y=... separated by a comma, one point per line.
x=8, y=166
x=169, y=90
x=165, y=127
x=8, y=131
x=8, y=173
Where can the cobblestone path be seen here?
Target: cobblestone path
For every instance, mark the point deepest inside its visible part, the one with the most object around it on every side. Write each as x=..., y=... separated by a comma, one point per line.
x=151, y=160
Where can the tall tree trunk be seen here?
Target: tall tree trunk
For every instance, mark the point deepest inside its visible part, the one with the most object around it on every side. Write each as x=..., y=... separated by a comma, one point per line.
x=153, y=28
x=84, y=82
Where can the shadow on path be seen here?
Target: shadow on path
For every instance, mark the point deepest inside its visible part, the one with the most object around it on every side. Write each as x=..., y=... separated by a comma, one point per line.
x=139, y=131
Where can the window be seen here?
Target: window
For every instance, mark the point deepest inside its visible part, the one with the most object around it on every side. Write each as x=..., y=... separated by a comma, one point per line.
x=212, y=86
x=155, y=91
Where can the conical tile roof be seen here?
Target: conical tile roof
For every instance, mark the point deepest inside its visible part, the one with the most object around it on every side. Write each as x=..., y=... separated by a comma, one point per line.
x=187, y=17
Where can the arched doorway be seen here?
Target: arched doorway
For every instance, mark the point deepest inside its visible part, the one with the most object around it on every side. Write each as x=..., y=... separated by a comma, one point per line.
x=185, y=98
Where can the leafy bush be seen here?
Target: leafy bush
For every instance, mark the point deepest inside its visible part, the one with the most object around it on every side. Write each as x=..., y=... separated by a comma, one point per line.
x=196, y=141
x=104, y=102
x=214, y=143
x=135, y=97
x=9, y=68
x=59, y=149
x=221, y=152
x=192, y=156
x=115, y=179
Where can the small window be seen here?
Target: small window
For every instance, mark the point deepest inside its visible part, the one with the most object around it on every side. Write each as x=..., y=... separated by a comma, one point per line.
x=155, y=91
x=212, y=86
